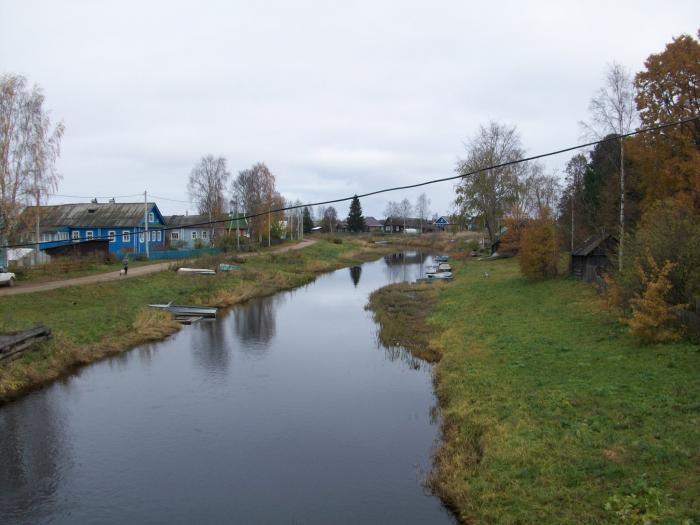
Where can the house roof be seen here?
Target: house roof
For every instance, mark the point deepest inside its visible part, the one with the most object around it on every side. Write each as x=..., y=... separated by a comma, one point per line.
x=92, y=215
x=184, y=221
x=592, y=243
x=371, y=222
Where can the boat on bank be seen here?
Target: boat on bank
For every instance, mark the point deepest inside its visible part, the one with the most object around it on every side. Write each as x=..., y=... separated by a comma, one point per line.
x=195, y=271
x=184, y=310
x=441, y=258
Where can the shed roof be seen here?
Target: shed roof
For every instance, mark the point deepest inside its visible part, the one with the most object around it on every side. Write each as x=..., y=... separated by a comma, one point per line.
x=92, y=215
x=184, y=221
x=592, y=243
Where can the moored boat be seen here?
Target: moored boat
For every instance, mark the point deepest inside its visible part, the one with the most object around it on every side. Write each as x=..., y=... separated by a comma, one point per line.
x=175, y=309
x=444, y=267
x=441, y=258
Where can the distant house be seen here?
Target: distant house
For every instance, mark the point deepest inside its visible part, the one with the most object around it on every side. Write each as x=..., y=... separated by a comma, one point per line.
x=592, y=258
x=442, y=223
x=83, y=229
x=184, y=231
x=397, y=224
x=372, y=225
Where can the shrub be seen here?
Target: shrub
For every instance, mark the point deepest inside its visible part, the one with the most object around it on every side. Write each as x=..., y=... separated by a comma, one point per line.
x=652, y=314
x=539, y=248
x=668, y=231
x=510, y=241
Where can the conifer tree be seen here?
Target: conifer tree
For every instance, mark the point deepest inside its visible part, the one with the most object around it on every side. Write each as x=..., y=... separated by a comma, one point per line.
x=308, y=221
x=356, y=222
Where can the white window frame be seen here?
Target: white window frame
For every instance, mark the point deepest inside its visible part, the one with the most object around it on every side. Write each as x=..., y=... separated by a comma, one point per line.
x=151, y=217
x=204, y=235
x=174, y=236
x=89, y=235
x=159, y=236
x=75, y=235
x=153, y=235
x=112, y=236
x=141, y=237
x=126, y=236
x=194, y=235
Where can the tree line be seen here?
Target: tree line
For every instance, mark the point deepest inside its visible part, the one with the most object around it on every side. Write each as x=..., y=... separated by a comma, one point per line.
x=644, y=190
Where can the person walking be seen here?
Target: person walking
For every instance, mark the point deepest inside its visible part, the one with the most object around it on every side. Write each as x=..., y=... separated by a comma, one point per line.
x=125, y=262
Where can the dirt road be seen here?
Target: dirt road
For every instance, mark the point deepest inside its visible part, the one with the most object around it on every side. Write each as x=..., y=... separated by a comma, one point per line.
x=115, y=276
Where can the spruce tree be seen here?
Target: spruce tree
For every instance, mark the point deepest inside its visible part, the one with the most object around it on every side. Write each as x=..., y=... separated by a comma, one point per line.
x=308, y=221
x=356, y=222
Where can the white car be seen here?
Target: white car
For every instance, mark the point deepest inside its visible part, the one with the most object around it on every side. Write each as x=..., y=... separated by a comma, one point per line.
x=7, y=278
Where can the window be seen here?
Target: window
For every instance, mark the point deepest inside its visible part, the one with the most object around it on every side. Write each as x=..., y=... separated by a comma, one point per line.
x=89, y=234
x=153, y=235
x=174, y=236
x=126, y=236
x=194, y=234
x=75, y=235
x=112, y=236
x=151, y=217
x=159, y=237
x=63, y=236
x=204, y=235
x=141, y=237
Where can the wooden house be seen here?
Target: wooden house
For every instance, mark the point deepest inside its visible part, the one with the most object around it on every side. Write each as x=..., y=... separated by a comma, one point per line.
x=592, y=258
x=96, y=228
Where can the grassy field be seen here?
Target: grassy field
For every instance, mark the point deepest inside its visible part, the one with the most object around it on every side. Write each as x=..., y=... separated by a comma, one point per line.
x=92, y=321
x=552, y=413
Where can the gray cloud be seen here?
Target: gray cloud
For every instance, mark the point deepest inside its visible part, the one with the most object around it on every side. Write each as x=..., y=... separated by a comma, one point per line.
x=336, y=98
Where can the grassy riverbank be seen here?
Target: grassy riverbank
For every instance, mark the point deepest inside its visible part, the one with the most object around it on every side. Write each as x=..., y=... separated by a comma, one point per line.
x=552, y=413
x=93, y=321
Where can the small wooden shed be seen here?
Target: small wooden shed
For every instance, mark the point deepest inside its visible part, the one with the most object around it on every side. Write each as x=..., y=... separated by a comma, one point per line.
x=593, y=257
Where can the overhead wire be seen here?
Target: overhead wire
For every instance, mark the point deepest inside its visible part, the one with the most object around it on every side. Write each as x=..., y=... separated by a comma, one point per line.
x=611, y=138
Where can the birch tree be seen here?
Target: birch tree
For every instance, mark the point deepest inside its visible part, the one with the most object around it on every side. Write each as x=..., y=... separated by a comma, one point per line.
x=29, y=148
x=255, y=189
x=207, y=183
x=612, y=110
x=405, y=209
x=422, y=209
x=492, y=191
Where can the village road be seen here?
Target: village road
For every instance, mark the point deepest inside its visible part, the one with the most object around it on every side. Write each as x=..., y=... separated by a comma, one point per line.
x=115, y=276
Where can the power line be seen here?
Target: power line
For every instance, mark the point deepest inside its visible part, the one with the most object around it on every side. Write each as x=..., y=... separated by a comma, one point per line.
x=93, y=196
x=386, y=190
x=167, y=199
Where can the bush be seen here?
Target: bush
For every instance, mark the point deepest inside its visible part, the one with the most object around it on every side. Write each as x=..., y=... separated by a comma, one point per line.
x=539, y=248
x=669, y=231
x=652, y=314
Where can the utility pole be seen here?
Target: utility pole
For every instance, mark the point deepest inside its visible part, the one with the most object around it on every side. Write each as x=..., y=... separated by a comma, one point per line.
x=269, y=226
x=145, y=219
x=622, y=200
x=238, y=232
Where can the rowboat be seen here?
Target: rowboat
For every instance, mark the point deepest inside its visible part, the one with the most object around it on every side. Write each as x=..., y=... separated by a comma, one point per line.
x=441, y=258
x=195, y=271
x=444, y=267
x=223, y=267
x=182, y=310
x=440, y=275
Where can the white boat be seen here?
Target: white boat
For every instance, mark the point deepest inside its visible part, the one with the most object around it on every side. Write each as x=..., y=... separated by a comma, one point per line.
x=440, y=275
x=195, y=271
x=431, y=269
x=175, y=309
x=444, y=267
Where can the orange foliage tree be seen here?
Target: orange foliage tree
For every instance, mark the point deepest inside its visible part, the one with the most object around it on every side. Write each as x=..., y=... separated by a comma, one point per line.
x=667, y=91
x=652, y=314
x=539, y=248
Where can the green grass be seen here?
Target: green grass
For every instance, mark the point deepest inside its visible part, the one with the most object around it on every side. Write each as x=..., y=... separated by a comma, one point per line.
x=553, y=413
x=92, y=321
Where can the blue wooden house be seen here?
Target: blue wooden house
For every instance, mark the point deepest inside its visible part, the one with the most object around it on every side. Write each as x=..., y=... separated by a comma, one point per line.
x=107, y=228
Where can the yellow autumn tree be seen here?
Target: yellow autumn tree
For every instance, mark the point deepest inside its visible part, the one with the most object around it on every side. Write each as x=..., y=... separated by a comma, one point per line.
x=539, y=248
x=652, y=314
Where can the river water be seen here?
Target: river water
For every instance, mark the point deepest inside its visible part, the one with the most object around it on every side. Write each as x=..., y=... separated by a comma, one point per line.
x=284, y=410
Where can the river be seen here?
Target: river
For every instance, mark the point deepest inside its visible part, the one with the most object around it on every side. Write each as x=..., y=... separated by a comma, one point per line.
x=286, y=409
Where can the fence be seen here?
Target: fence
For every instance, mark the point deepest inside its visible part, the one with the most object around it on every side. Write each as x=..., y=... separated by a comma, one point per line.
x=180, y=254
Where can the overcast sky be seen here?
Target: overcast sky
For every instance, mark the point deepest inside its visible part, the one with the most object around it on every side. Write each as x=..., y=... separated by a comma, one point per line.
x=336, y=98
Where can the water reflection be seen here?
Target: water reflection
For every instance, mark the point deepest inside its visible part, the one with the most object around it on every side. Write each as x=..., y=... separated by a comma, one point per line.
x=33, y=449
x=254, y=322
x=355, y=273
x=401, y=266
x=209, y=347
